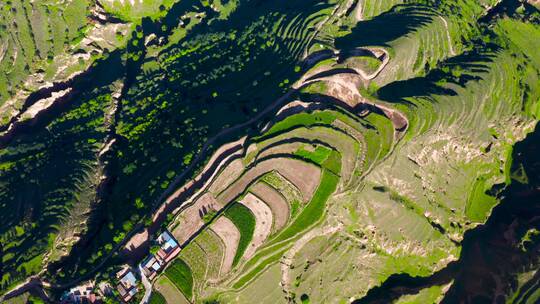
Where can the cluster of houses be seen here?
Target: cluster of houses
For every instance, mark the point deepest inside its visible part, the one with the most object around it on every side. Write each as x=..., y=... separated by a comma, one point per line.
x=168, y=249
x=86, y=294
x=127, y=284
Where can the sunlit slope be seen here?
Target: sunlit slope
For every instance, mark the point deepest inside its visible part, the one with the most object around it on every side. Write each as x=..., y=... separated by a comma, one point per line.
x=412, y=209
x=298, y=163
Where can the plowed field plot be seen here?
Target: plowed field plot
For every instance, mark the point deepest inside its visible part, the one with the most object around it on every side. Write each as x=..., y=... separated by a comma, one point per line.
x=244, y=220
x=230, y=236
x=180, y=275
x=193, y=218
x=169, y=291
x=276, y=202
x=301, y=174
x=263, y=222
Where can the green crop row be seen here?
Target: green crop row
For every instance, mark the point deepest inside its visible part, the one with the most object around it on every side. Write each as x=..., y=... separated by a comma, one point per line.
x=180, y=274
x=157, y=298
x=244, y=220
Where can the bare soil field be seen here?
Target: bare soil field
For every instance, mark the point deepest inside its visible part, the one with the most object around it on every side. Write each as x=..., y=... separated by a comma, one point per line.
x=263, y=222
x=230, y=236
x=303, y=175
x=345, y=88
x=190, y=220
x=276, y=202
x=287, y=148
x=227, y=176
x=342, y=142
x=134, y=244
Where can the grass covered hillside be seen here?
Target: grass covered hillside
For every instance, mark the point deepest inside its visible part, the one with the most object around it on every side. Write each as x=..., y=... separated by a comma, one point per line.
x=300, y=151
x=44, y=43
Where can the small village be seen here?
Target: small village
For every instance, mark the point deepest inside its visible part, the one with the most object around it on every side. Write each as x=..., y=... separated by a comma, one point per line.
x=129, y=284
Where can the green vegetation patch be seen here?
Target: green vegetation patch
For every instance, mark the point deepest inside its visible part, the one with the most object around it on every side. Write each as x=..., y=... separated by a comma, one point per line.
x=480, y=203
x=333, y=162
x=314, y=210
x=318, y=156
x=323, y=156
x=180, y=274
x=260, y=267
x=367, y=64
x=197, y=261
x=302, y=119
x=212, y=246
x=244, y=220
x=157, y=298
x=127, y=11
x=290, y=192
x=309, y=215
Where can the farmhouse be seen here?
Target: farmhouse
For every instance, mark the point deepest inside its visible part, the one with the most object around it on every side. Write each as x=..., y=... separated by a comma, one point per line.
x=169, y=247
x=81, y=294
x=127, y=286
x=150, y=266
x=168, y=250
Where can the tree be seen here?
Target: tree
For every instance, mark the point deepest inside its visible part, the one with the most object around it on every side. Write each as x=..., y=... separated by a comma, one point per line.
x=154, y=249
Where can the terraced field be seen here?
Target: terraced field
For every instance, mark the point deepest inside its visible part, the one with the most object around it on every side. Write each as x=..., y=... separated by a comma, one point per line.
x=382, y=205
x=323, y=152
x=282, y=182
x=326, y=146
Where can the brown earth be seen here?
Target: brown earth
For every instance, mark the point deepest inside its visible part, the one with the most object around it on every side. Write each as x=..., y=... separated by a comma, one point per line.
x=342, y=142
x=276, y=202
x=227, y=176
x=263, y=222
x=230, y=236
x=190, y=220
x=301, y=174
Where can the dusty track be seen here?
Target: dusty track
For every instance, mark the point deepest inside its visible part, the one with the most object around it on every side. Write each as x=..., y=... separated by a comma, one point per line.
x=450, y=45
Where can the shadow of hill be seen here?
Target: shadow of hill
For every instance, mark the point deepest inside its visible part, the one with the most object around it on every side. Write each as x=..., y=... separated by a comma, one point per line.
x=459, y=70
x=400, y=21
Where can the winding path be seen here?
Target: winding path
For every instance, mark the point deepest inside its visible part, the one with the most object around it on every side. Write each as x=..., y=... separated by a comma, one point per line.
x=450, y=45
x=147, y=286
